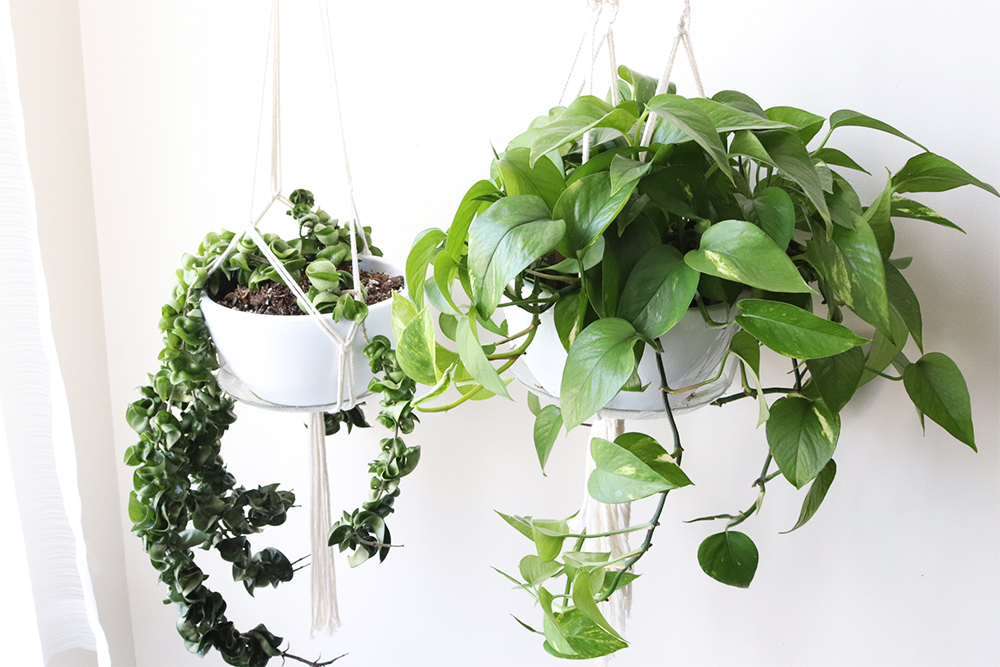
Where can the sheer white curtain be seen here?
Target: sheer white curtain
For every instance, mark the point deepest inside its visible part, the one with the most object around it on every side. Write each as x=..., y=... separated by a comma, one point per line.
x=43, y=565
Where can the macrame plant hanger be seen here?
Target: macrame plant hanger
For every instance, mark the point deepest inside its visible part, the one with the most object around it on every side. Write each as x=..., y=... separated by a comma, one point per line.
x=596, y=517
x=325, y=614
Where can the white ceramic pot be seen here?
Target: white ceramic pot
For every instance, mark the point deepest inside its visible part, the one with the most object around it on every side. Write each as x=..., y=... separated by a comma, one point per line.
x=289, y=359
x=693, y=353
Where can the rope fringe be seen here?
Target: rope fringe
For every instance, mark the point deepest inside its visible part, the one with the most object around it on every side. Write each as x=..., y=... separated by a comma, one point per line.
x=597, y=517
x=325, y=615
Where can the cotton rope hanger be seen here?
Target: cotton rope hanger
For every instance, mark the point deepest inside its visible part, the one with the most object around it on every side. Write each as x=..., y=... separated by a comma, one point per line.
x=325, y=613
x=596, y=517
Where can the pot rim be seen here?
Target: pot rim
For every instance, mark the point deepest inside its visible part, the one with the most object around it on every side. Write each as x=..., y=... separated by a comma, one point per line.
x=386, y=303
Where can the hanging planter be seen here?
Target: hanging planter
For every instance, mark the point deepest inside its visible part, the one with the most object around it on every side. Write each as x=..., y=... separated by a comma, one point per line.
x=318, y=340
x=605, y=234
x=305, y=373
x=695, y=357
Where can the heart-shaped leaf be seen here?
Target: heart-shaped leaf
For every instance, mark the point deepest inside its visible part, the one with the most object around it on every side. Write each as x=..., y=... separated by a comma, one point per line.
x=938, y=389
x=519, y=178
x=689, y=118
x=742, y=252
x=600, y=361
x=509, y=236
x=837, y=377
x=730, y=557
x=928, y=172
x=658, y=291
x=632, y=468
x=588, y=207
x=802, y=435
x=794, y=332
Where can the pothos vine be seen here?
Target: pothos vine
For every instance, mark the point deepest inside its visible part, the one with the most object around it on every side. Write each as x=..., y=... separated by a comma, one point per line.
x=184, y=497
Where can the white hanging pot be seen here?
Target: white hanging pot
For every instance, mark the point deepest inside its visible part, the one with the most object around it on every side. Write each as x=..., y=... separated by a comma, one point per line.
x=693, y=354
x=288, y=359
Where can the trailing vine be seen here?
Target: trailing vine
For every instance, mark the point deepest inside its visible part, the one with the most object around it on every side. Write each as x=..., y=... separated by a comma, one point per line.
x=184, y=497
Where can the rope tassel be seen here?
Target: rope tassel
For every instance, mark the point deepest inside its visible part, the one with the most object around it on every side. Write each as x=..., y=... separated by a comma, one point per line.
x=325, y=615
x=598, y=517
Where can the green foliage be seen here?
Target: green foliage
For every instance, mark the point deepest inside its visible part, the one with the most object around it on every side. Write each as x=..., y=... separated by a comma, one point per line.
x=183, y=496
x=727, y=203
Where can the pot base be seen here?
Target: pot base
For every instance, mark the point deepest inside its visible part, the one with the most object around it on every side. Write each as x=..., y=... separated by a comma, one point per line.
x=233, y=386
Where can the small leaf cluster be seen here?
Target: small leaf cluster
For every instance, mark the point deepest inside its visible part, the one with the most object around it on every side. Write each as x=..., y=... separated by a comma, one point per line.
x=364, y=531
x=322, y=247
x=614, y=219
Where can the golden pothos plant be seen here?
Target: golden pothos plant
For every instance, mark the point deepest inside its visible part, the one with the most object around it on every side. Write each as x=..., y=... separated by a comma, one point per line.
x=721, y=201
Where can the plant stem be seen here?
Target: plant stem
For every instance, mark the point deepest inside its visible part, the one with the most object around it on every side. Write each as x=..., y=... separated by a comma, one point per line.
x=798, y=375
x=313, y=663
x=464, y=398
x=514, y=354
x=678, y=452
x=630, y=529
x=883, y=375
x=549, y=276
x=735, y=397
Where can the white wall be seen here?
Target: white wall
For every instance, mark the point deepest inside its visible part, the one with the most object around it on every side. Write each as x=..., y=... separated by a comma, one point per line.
x=899, y=565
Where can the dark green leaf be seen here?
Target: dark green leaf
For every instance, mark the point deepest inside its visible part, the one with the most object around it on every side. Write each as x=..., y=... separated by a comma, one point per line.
x=583, y=114
x=739, y=101
x=742, y=252
x=792, y=159
x=937, y=388
x=729, y=557
x=928, y=172
x=568, y=318
x=837, y=158
x=588, y=207
x=793, y=332
x=903, y=300
x=658, y=291
x=543, y=180
x=808, y=124
x=746, y=143
x=688, y=117
x=878, y=218
x=837, y=377
x=907, y=208
x=776, y=213
x=815, y=495
x=509, y=236
x=728, y=118
x=848, y=118
x=802, y=435
x=599, y=362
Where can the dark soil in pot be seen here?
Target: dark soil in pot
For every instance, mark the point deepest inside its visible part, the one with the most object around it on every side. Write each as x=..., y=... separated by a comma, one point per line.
x=274, y=298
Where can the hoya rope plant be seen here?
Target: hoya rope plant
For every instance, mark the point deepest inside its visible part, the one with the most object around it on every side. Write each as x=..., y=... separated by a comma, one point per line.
x=683, y=205
x=183, y=495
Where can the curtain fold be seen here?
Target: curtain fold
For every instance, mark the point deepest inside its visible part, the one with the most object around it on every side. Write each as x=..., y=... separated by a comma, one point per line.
x=35, y=416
